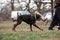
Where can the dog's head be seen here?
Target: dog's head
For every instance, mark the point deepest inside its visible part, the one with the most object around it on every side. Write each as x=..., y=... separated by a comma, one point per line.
x=38, y=17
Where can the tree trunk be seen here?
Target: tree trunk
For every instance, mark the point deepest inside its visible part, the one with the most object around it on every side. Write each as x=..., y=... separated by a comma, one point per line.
x=12, y=4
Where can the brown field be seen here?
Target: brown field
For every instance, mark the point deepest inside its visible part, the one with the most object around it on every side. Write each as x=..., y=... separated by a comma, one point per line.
x=23, y=30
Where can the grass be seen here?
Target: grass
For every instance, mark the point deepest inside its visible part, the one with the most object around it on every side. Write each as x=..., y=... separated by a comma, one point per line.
x=23, y=32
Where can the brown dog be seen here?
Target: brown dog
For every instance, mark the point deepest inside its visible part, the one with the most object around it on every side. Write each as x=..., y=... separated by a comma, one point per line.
x=31, y=20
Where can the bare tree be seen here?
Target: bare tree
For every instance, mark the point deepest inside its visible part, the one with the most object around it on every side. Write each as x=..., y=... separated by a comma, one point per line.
x=12, y=4
x=52, y=9
x=38, y=3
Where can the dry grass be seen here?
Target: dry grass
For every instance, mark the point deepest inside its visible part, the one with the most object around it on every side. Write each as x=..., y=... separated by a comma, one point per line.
x=24, y=33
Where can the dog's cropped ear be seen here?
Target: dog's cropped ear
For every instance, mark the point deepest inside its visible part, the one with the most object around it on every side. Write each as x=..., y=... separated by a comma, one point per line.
x=17, y=13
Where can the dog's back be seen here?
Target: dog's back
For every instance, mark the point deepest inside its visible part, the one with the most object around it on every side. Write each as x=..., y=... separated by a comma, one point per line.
x=27, y=18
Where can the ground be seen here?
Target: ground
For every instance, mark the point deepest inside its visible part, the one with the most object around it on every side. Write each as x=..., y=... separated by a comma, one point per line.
x=23, y=32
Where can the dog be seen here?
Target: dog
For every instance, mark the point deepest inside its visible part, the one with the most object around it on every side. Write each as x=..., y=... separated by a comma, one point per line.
x=31, y=20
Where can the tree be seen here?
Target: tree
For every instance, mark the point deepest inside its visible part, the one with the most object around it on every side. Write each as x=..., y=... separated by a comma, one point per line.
x=12, y=4
x=52, y=9
x=38, y=3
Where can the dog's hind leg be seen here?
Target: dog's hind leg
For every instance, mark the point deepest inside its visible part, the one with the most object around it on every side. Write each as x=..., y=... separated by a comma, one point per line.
x=31, y=27
x=15, y=25
x=37, y=27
